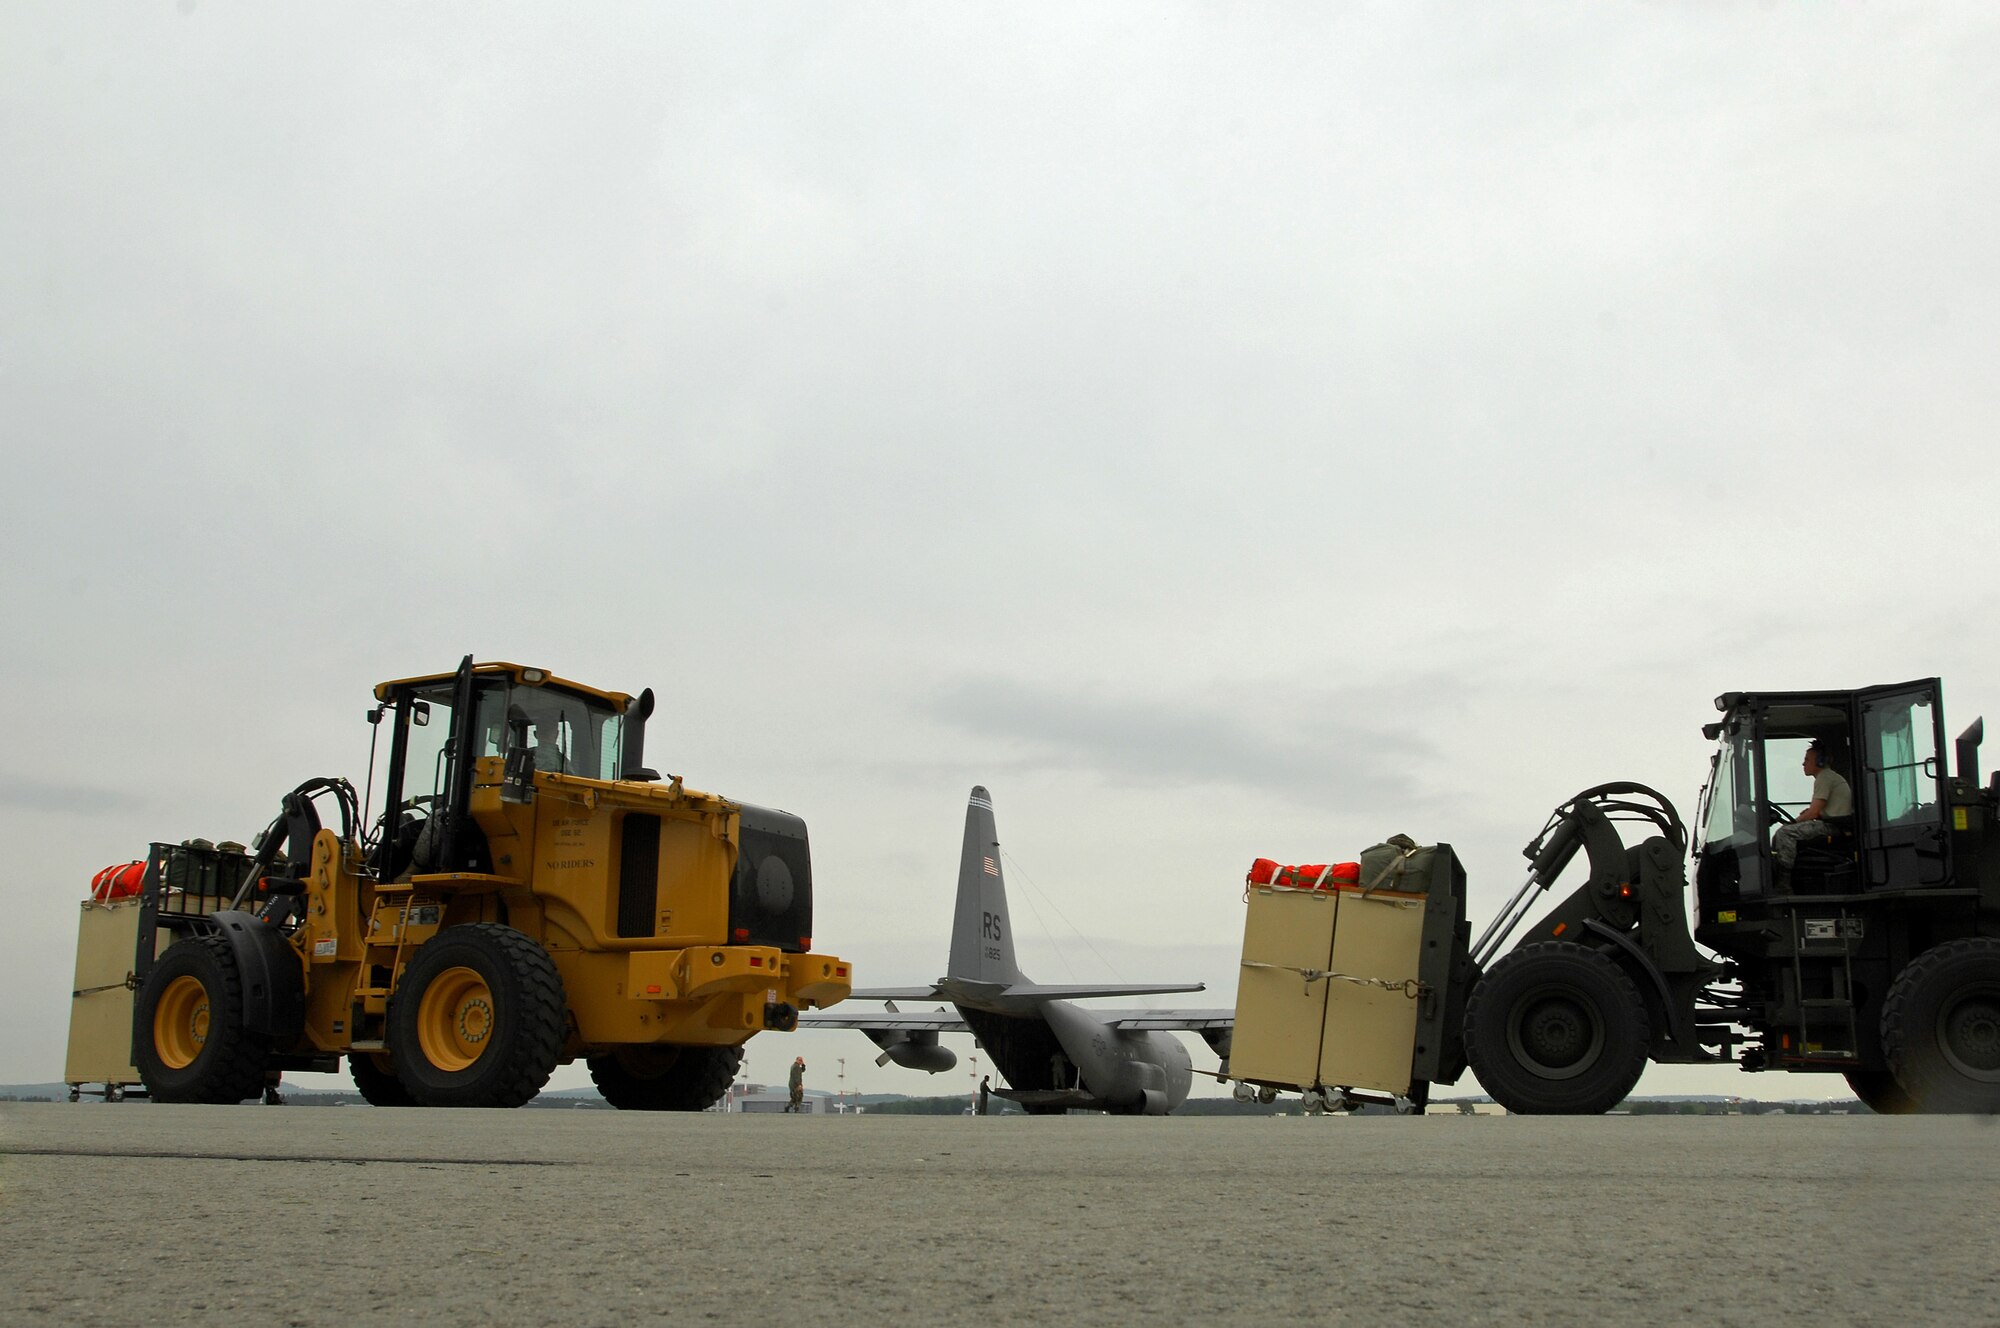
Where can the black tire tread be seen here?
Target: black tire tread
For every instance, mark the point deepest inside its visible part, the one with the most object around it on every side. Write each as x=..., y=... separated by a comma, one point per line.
x=539, y=1023
x=1911, y=1049
x=231, y=1066
x=1880, y=1093
x=695, y=1081
x=378, y=1087
x=1518, y=1090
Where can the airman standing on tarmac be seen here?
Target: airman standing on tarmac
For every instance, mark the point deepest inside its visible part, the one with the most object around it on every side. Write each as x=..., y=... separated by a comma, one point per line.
x=797, y=1083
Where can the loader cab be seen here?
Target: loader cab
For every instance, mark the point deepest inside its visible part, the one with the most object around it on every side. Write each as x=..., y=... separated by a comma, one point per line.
x=440, y=727
x=1885, y=741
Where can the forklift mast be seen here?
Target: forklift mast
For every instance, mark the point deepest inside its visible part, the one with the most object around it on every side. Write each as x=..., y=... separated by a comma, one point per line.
x=1634, y=901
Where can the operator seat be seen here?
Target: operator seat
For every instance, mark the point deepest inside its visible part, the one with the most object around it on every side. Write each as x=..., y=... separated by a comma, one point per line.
x=1831, y=865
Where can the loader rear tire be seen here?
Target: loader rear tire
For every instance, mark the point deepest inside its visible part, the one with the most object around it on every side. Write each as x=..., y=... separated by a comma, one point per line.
x=665, y=1078
x=1941, y=1027
x=376, y=1081
x=477, y=1019
x=1556, y=1029
x=195, y=1047
x=1880, y=1093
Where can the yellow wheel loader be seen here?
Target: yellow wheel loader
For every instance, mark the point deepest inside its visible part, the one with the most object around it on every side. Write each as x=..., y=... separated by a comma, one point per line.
x=530, y=894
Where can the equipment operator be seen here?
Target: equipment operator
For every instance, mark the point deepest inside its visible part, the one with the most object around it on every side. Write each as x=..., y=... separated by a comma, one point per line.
x=1832, y=799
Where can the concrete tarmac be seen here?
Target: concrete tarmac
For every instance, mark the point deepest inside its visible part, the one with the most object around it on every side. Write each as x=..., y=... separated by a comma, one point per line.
x=138, y=1213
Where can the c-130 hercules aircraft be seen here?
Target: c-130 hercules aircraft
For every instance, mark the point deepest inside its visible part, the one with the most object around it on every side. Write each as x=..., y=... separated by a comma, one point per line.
x=1054, y=1055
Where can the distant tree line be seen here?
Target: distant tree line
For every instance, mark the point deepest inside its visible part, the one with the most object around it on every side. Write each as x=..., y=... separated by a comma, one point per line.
x=941, y=1106
x=1745, y=1107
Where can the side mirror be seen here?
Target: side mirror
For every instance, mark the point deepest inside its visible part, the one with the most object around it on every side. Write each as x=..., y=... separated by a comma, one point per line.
x=375, y=715
x=420, y=713
x=517, y=780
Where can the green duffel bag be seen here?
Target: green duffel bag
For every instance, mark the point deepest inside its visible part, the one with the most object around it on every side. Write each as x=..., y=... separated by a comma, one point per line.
x=1399, y=863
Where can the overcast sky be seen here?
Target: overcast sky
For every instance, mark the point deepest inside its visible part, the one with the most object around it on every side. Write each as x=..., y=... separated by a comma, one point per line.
x=1223, y=431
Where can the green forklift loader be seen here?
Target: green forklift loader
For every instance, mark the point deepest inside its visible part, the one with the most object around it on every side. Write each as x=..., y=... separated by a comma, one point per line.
x=1875, y=956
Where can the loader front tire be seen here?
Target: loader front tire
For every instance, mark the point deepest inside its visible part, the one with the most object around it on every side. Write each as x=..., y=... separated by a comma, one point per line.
x=193, y=1045
x=665, y=1078
x=1556, y=1029
x=1941, y=1027
x=477, y=1019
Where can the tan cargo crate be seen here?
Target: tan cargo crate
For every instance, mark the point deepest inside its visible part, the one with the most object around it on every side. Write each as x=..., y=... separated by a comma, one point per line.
x=1327, y=991
x=1280, y=1014
x=1371, y=994
x=100, y=1007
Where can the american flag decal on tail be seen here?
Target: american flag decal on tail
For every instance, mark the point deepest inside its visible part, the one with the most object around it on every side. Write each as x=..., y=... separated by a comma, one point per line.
x=992, y=867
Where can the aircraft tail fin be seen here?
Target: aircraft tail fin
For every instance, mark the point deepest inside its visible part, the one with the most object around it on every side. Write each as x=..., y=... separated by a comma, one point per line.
x=982, y=937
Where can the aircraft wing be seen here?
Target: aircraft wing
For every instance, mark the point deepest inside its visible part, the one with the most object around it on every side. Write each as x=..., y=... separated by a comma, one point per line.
x=929, y=993
x=909, y=1021
x=960, y=989
x=1167, y=1021
x=1217, y=1027
x=1040, y=992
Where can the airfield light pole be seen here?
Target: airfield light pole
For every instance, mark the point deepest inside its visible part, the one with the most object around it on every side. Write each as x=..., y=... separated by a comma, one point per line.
x=841, y=1061
x=974, y=1058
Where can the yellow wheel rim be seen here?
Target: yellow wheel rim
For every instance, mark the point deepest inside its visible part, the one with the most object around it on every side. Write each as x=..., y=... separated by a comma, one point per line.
x=180, y=1022
x=455, y=1019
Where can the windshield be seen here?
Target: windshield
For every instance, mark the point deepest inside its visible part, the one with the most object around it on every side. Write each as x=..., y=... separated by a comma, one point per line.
x=567, y=733
x=1730, y=816
x=1730, y=861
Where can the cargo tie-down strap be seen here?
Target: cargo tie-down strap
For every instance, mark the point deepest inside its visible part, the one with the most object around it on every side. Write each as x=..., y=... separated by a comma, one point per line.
x=1275, y=889
x=1410, y=987
x=131, y=983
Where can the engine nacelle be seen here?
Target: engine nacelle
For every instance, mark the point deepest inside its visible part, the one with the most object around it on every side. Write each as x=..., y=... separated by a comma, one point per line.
x=912, y=1049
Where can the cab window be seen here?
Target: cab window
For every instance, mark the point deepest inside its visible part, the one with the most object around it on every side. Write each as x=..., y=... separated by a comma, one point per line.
x=1902, y=746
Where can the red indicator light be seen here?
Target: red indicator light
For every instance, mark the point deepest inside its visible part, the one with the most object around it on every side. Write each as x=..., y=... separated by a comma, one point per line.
x=1625, y=892
x=1561, y=927
x=840, y=972
x=805, y=942
x=742, y=933
x=756, y=961
x=653, y=990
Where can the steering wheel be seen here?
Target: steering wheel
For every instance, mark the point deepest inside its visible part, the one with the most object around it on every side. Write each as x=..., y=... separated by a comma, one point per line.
x=403, y=823
x=1778, y=815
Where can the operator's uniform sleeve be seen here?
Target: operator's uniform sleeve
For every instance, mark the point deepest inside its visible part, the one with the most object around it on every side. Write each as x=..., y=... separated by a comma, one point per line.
x=1837, y=793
